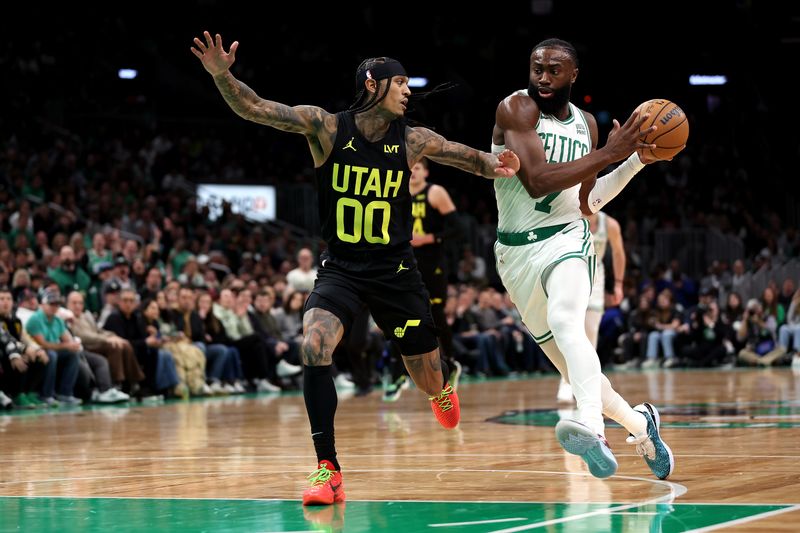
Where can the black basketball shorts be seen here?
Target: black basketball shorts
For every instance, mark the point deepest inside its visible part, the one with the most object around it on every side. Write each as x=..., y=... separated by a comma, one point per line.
x=396, y=297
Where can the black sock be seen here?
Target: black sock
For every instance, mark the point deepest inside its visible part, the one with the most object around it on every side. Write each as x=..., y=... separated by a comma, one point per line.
x=445, y=372
x=320, y=396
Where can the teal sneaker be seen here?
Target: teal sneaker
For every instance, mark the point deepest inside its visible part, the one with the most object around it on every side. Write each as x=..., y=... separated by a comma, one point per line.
x=579, y=439
x=655, y=451
x=392, y=390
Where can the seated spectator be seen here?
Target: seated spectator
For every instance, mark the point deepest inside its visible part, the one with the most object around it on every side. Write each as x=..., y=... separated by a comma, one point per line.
x=789, y=333
x=707, y=335
x=159, y=367
x=124, y=367
x=22, y=365
x=215, y=334
x=257, y=363
x=758, y=338
x=186, y=320
x=266, y=325
x=50, y=332
x=666, y=319
x=190, y=363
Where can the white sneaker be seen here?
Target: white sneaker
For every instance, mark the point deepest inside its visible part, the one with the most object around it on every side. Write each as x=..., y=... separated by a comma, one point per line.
x=120, y=396
x=342, y=382
x=204, y=390
x=650, y=363
x=5, y=401
x=564, y=392
x=262, y=385
x=107, y=396
x=286, y=370
x=238, y=388
x=218, y=388
x=227, y=389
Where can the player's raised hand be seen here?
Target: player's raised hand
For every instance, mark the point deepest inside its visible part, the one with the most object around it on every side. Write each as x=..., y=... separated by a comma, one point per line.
x=212, y=55
x=509, y=164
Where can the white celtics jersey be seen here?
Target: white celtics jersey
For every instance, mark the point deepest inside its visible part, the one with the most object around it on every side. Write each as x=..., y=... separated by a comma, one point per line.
x=563, y=141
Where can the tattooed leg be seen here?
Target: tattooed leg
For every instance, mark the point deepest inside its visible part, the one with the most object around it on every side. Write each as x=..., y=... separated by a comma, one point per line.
x=322, y=332
x=426, y=371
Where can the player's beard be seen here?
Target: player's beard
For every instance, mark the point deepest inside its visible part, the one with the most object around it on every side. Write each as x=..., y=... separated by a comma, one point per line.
x=553, y=104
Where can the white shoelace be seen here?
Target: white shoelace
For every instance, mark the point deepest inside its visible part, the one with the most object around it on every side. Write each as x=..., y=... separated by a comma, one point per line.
x=644, y=446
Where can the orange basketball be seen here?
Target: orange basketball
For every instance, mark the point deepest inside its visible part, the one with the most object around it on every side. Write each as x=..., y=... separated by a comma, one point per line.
x=672, y=128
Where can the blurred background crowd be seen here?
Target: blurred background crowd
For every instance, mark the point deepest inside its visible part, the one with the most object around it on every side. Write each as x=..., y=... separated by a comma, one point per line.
x=102, y=228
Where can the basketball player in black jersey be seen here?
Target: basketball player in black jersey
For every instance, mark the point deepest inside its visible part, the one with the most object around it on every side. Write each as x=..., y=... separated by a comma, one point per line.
x=362, y=158
x=434, y=222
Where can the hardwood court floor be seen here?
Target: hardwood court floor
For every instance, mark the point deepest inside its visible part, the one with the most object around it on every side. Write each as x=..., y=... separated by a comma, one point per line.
x=239, y=464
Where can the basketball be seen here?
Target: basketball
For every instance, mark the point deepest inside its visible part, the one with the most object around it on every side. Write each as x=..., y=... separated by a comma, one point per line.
x=672, y=128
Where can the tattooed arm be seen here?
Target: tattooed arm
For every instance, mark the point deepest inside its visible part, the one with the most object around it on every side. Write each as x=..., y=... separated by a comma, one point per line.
x=318, y=126
x=422, y=142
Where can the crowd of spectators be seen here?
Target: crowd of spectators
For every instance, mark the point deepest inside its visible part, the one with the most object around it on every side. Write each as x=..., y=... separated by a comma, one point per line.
x=134, y=290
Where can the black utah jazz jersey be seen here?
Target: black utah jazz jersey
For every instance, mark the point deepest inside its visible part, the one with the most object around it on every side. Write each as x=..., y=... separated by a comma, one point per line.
x=364, y=201
x=427, y=219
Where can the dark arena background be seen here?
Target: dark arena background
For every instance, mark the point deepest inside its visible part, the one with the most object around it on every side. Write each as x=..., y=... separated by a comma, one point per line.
x=126, y=180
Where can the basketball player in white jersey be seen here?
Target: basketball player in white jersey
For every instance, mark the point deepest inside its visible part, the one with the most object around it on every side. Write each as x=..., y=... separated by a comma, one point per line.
x=605, y=230
x=544, y=250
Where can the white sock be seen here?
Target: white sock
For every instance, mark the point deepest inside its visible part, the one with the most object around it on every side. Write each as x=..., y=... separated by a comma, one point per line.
x=618, y=410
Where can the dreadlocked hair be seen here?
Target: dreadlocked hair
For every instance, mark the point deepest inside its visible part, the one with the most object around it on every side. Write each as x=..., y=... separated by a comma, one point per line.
x=366, y=100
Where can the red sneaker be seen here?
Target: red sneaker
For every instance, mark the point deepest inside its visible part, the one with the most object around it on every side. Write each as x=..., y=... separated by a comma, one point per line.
x=446, y=408
x=326, y=486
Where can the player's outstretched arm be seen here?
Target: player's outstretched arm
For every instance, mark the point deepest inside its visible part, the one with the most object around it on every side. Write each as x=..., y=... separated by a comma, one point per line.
x=307, y=120
x=422, y=142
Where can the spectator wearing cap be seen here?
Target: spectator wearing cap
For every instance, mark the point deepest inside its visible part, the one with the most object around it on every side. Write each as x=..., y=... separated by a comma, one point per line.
x=122, y=272
x=111, y=292
x=98, y=253
x=51, y=333
x=124, y=368
x=69, y=275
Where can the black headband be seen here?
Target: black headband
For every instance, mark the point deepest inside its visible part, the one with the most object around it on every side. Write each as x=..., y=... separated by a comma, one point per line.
x=381, y=71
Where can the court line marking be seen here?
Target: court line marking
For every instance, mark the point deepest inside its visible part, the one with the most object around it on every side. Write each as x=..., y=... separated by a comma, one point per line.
x=478, y=522
x=675, y=489
x=745, y=519
x=84, y=458
x=493, y=502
